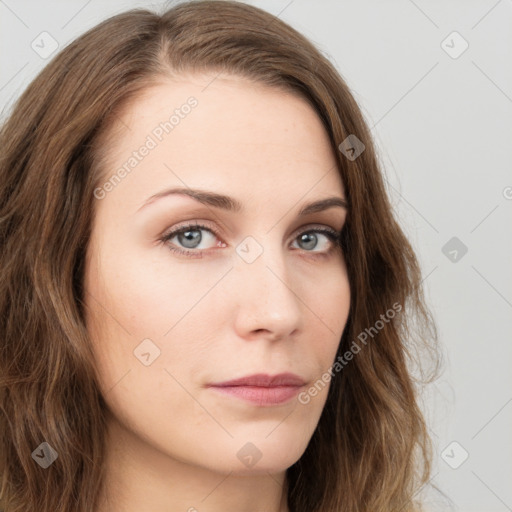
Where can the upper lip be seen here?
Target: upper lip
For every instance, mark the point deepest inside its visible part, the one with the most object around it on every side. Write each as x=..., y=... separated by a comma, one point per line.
x=264, y=380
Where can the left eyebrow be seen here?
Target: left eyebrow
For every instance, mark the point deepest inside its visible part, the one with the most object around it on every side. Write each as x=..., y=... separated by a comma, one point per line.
x=233, y=205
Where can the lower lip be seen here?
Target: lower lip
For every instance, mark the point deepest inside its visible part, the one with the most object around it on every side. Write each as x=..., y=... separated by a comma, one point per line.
x=261, y=395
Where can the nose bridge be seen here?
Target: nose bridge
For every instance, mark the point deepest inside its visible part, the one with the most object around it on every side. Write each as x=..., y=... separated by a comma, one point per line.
x=266, y=296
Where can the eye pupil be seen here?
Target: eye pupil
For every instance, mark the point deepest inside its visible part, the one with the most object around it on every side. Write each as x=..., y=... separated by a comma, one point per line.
x=188, y=237
x=311, y=243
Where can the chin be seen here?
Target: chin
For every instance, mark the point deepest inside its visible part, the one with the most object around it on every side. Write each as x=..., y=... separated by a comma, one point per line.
x=272, y=454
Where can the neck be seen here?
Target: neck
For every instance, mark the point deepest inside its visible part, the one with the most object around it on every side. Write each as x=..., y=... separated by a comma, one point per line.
x=140, y=477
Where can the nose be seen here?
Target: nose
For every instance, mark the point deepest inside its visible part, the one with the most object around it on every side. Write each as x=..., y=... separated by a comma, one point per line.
x=268, y=306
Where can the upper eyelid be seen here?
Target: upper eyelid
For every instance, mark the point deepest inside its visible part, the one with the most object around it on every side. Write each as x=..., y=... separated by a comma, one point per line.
x=204, y=225
x=333, y=235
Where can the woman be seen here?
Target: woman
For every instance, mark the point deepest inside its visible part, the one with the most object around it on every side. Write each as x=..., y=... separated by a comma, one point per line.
x=206, y=299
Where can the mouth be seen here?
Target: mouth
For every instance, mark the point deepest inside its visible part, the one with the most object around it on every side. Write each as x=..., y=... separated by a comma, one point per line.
x=262, y=389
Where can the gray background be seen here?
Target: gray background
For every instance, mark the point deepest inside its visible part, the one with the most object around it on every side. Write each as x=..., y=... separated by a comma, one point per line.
x=443, y=126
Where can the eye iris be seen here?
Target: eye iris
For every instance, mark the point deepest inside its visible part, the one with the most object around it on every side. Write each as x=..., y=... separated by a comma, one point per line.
x=310, y=239
x=192, y=237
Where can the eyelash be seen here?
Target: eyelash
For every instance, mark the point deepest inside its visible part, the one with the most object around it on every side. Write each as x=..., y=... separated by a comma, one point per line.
x=331, y=234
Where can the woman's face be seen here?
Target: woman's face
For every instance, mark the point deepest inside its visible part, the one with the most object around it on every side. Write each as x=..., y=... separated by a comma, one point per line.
x=258, y=291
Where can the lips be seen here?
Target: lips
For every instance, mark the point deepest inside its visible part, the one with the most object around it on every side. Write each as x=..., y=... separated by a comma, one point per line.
x=264, y=380
x=262, y=389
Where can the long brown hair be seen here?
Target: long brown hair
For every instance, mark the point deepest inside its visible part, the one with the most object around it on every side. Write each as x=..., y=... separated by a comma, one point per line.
x=370, y=451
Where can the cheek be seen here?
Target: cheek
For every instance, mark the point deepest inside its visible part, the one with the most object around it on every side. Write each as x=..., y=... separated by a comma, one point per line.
x=149, y=308
x=153, y=291
x=334, y=305
x=332, y=298
x=144, y=376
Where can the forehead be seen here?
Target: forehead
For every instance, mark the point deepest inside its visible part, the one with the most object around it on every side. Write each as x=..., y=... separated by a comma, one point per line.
x=225, y=132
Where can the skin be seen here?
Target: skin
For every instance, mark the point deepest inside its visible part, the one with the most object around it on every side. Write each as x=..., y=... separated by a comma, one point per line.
x=172, y=442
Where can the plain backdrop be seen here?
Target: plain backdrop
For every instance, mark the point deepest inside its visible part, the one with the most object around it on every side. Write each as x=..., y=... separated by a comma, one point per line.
x=434, y=81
